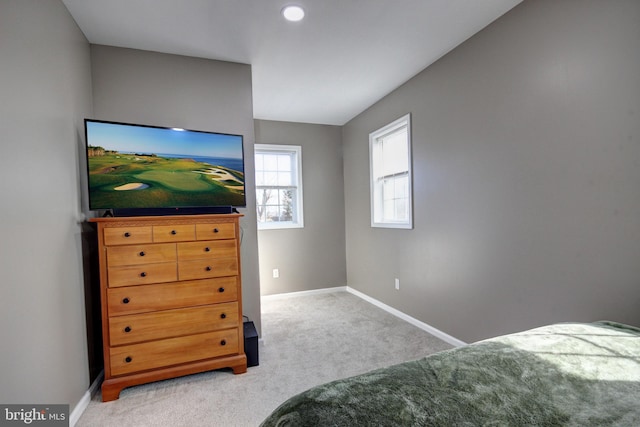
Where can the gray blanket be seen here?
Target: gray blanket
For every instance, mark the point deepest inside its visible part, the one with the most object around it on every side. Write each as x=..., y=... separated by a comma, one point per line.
x=567, y=374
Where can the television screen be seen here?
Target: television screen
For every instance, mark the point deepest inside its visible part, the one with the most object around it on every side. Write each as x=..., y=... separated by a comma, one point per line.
x=146, y=167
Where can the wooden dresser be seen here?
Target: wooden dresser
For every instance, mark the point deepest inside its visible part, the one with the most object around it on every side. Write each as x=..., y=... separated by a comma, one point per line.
x=171, y=297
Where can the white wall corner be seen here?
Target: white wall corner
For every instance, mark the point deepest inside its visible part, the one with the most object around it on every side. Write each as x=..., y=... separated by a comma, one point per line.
x=82, y=405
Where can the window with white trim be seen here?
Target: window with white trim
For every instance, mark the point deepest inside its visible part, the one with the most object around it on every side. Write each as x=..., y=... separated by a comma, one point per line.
x=278, y=186
x=390, y=171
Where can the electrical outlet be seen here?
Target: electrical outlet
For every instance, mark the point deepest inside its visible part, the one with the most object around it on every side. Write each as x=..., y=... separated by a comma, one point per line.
x=397, y=284
x=276, y=273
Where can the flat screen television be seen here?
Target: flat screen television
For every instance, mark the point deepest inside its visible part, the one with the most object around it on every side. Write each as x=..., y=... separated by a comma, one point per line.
x=148, y=170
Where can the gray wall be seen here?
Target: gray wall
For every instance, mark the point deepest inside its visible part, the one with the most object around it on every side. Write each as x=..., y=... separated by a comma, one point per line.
x=312, y=257
x=168, y=90
x=45, y=89
x=526, y=154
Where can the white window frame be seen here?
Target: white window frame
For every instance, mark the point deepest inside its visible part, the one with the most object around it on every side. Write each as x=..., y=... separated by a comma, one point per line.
x=377, y=197
x=296, y=152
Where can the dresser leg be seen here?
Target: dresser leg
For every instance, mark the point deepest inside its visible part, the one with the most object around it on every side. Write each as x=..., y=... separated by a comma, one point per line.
x=110, y=391
x=239, y=369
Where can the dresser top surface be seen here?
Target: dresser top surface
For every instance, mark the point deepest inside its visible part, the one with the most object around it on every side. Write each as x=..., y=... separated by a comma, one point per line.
x=163, y=219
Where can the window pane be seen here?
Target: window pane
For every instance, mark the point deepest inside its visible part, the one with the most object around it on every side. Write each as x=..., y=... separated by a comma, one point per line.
x=272, y=213
x=270, y=178
x=395, y=153
x=388, y=189
x=270, y=162
x=401, y=210
x=388, y=210
x=286, y=207
x=293, y=201
x=284, y=162
x=401, y=187
x=271, y=197
x=284, y=178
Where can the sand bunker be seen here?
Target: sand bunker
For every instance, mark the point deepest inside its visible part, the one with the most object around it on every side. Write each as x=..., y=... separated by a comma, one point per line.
x=222, y=175
x=132, y=186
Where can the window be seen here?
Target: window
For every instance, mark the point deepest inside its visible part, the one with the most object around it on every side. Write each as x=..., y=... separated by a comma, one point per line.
x=278, y=186
x=390, y=167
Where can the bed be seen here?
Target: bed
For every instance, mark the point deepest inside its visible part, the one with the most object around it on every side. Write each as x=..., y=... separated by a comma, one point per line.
x=566, y=374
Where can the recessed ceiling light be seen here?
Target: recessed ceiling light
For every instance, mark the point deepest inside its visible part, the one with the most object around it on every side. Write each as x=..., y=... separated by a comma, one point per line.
x=293, y=13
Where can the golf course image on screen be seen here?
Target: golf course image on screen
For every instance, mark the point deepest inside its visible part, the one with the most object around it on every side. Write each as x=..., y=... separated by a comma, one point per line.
x=207, y=171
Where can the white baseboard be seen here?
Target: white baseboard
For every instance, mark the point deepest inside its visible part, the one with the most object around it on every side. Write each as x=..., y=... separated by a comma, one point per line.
x=84, y=402
x=415, y=322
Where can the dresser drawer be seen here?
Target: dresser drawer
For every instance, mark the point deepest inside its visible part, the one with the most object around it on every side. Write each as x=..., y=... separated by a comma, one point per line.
x=172, y=351
x=172, y=323
x=206, y=268
x=140, y=254
x=207, y=249
x=215, y=231
x=174, y=233
x=142, y=274
x=127, y=235
x=144, y=298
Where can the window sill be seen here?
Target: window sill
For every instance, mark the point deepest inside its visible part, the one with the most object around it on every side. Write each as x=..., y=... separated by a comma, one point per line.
x=279, y=226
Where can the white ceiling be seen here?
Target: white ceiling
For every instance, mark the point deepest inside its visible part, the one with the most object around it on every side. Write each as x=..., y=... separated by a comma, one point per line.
x=343, y=57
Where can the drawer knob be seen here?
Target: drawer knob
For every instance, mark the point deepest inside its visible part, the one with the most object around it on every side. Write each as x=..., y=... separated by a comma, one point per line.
x=223, y=316
x=174, y=232
x=125, y=300
x=223, y=342
x=220, y=289
x=127, y=329
x=207, y=268
x=127, y=234
x=143, y=274
x=128, y=359
x=142, y=253
x=207, y=249
x=215, y=230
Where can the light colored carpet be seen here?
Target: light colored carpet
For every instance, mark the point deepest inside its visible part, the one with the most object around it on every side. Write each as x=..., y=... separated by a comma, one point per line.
x=308, y=340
